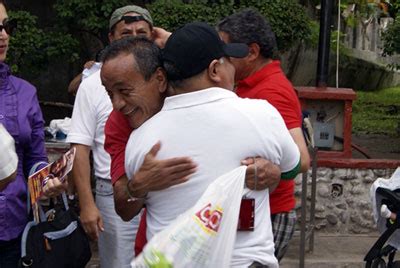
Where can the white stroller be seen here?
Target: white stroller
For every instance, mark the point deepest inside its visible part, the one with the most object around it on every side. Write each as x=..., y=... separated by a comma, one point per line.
x=385, y=195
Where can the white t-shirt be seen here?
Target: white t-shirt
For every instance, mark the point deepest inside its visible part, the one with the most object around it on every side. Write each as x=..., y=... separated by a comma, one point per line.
x=217, y=130
x=91, y=110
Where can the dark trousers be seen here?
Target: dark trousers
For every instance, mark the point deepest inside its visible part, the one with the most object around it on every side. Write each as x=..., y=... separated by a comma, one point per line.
x=10, y=253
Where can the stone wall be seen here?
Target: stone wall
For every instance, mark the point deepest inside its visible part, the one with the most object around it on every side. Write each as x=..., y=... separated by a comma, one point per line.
x=358, y=69
x=343, y=203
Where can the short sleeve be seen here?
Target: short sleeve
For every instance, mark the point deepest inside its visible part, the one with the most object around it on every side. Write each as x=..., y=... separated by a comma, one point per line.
x=117, y=132
x=83, y=122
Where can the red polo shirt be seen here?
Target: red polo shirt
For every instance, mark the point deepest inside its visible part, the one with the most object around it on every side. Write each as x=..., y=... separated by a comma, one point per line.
x=117, y=131
x=271, y=84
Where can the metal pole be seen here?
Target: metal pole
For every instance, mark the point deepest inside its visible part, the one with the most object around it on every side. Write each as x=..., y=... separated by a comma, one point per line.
x=314, y=151
x=324, y=43
x=303, y=228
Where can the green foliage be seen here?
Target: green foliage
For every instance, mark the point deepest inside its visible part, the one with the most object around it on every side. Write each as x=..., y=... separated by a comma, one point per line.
x=313, y=37
x=171, y=14
x=31, y=48
x=375, y=112
x=26, y=42
x=391, y=38
x=288, y=20
x=88, y=16
x=77, y=24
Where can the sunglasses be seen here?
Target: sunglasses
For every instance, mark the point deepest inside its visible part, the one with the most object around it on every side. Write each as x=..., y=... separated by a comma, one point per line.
x=130, y=19
x=8, y=26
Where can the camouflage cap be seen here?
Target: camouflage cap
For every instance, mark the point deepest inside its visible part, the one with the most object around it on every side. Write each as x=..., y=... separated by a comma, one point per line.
x=120, y=12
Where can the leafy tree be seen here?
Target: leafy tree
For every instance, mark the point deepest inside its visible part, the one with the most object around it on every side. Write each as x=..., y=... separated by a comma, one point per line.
x=79, y=28
x=170, y=14
x=36, y=46
x=25, y=42
x=391, y=37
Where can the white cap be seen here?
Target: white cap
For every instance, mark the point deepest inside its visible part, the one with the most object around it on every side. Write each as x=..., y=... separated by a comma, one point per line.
x=8, y=157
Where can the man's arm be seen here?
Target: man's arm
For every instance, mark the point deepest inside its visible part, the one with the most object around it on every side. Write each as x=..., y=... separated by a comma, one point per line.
x=126, y=210
x=153, y=175
x=297, y=135
x=160, y=36
x=90, y=216
x=268, y=174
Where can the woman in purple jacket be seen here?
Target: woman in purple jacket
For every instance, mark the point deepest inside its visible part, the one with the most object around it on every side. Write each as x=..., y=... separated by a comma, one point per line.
x=21, y=115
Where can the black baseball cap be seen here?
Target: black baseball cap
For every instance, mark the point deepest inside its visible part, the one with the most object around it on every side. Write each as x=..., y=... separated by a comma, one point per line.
x=194, y=46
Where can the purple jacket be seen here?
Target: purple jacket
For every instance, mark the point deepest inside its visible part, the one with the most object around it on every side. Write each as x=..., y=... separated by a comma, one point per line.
x=21, y=115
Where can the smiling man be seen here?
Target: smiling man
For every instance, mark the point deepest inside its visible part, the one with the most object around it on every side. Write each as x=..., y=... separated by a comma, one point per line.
x=91, y=110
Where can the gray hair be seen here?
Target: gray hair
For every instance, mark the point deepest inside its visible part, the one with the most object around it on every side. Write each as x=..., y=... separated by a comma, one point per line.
x=147, y=55
x=249, y=26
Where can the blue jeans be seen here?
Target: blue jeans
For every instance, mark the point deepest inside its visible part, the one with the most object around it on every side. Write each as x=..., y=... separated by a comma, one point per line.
x=116, y=243
x=10, y=253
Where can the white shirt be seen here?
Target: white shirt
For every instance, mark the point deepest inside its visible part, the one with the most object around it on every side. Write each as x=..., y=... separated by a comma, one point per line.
x=8, y=157
x=91, y=110
x=217, y=130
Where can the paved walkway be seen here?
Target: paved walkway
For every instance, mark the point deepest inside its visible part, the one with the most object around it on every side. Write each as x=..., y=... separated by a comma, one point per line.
x=332, y=251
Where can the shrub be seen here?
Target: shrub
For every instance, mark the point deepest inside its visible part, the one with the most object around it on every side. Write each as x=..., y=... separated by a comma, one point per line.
x=171, y=14
x=79, y=27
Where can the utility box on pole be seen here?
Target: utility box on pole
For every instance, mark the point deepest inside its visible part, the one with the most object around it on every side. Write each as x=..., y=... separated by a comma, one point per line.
x=330, y=112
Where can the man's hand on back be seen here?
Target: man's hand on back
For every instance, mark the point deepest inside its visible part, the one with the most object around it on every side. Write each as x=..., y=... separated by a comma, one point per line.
x=156, y=175
x=268, y=174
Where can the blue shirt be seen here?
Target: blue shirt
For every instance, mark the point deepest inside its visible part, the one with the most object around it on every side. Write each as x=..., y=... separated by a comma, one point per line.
x=21, y=115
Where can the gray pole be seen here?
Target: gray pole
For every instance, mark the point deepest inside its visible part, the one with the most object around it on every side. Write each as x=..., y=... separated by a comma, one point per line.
x=324, y=43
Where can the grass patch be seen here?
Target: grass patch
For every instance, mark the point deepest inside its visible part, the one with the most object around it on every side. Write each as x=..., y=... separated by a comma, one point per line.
x=377, y=111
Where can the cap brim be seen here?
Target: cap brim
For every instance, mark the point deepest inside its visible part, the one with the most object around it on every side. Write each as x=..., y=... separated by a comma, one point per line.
x=236, y=50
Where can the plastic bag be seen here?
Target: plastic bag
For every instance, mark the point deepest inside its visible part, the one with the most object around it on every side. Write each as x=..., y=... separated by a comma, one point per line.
x=204, y=235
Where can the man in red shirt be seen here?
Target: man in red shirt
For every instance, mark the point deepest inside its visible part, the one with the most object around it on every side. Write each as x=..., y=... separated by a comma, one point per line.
x=258, y=76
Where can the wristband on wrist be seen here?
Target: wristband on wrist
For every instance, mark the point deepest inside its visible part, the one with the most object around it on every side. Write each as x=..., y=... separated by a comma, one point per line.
x=132, y=198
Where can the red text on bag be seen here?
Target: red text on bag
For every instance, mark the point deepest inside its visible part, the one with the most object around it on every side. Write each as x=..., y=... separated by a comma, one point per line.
x=211, y=219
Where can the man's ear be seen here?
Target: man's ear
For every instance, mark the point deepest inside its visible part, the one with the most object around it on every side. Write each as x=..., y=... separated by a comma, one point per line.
x=161, y=79
x=111, y=37
x=213, y=73
x=254, y=52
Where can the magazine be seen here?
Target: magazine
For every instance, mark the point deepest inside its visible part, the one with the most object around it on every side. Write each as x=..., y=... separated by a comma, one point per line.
x=59, y=168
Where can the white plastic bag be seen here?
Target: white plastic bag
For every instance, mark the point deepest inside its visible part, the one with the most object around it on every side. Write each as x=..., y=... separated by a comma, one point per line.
x=204, y=235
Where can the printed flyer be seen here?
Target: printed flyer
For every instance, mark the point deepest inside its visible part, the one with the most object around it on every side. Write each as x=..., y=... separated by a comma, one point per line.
x=59, y=168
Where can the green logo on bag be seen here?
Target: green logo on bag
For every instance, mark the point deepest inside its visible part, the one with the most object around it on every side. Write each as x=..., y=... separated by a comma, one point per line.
x=156, y=259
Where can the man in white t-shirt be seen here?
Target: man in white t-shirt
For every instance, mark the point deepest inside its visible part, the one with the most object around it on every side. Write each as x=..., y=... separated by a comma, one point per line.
x=204, y=120
x=91, y=110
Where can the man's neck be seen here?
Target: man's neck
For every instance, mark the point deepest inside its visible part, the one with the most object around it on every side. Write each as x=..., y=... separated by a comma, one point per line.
x=259, y=64
x=193, y=84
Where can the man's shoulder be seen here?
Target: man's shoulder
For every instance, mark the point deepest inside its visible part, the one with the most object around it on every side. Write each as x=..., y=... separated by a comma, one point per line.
x=92, y=83
x=91, y=91
x=252, y=104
